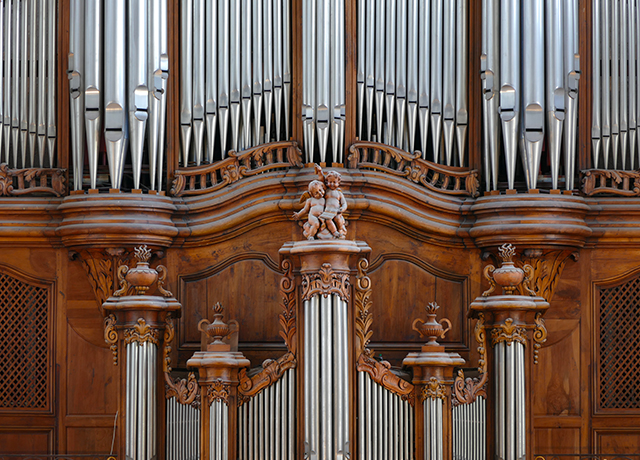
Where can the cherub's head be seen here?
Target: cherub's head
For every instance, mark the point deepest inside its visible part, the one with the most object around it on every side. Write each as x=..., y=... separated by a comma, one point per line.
x=316, y=189
x=333, y=179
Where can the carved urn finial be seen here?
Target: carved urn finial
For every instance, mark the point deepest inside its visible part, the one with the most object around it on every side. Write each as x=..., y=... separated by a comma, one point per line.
x=142, y=277
x=431, y=329
x=217, y=329
x=508, y=275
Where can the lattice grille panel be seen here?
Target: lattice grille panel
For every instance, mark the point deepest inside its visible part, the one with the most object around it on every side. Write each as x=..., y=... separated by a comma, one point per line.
x=24, y=351
x=619, y=347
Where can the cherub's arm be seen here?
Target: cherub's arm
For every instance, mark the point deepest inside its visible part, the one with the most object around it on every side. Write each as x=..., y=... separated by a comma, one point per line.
x=304, y=210
x=343, y=203
x=319, y=173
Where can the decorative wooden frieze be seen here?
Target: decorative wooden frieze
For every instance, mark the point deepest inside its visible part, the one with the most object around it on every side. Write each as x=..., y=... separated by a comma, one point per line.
x=271, y=371
x=186, y=391
x=610, y=182
x=539, y=336
x=218, y=391
x=142, y=332
x=326, y=282
x=32, y=181
x=380, y=372
x=391, y=160
x=508, y=332
x=280, y=155
x=547, y=267
x=362, y=304
x=433, y=389
x=111, y=336
x=289, y=303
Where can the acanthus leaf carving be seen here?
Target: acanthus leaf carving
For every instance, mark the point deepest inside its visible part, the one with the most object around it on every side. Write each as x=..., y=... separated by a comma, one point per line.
x=186, y=391
x=271, y=371
x=326, y=282
x=218, y=391
x=141, y=332
x=100, y=267
x=380, y=372
x=433, y=389
x=546, y=270
x=508, y=332
x=363, y=303
x=466, y=390
x=287, y=316
x=169, y=334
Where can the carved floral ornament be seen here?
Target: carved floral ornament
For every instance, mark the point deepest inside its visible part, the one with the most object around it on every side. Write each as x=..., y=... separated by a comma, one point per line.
x=326, y=282
x=433, y=389
x=141, y=332
x=289, y=302
x=508, y=332
x=186, y=391
x=218, y=391
x=362, y=303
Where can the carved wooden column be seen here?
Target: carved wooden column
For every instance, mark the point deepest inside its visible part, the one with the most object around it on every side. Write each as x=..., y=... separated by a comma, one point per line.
x=135, y=321
x=509, y=317
x=218, y=366
x=324, y=270
x=432, y=377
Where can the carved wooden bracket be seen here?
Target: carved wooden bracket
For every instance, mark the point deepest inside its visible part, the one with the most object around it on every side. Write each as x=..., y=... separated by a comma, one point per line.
x=326, y=282
x=111, y=336
x=508, y=332
x=218, y=391
x=101, y=266
x=547, y=267
x=380, y=372
x=433, y=389
x=271, y=371
x=362, y=303
x=186, y=391
x=289, y=302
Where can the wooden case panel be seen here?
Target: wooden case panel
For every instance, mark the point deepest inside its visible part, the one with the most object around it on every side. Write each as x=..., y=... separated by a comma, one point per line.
x=617, y=441
x=556, y=441
x=18, y=440
x=89, y=439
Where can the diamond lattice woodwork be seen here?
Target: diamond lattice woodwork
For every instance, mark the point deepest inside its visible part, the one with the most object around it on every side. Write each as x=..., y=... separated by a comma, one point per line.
x=619, y=347
x=24, y=341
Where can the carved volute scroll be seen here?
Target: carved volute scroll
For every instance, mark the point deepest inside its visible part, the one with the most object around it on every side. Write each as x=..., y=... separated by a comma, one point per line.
x=380, y=372
x=111, y=336
x=539, y=336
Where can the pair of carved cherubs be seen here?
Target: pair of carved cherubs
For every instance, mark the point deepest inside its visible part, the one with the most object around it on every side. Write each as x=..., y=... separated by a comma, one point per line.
x=325, y=204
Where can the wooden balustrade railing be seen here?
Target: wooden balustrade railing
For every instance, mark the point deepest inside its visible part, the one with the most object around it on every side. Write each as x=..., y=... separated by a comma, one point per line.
x=610, y=182
x=32, y=181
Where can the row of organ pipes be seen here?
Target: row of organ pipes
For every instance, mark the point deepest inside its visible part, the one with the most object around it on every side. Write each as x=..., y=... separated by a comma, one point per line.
x=616, y=98
x=28, y=83
x=235, y=75
x=412, y=76
x=530, y=70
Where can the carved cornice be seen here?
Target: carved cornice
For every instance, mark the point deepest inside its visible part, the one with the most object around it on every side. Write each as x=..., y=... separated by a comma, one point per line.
x=539, y=336
x=325, y=282
x=546, y=269
x=271, y=371
x=287, y=316
x=186, y=391
x=141, y=332
x=362, y=304
x=32, y=181
x=380, y=373
x=111, y=336
x=433, y=389
x=508, y=332
x=218, y=391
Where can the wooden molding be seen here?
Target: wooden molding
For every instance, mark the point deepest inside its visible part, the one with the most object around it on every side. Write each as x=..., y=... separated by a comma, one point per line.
x=380, y=373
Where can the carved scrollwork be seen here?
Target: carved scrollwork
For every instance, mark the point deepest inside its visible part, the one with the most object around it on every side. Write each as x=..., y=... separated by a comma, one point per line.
x=124, y=284
x=162, y=276
x=111, y=336
x=610, y=182
x=326, y=282
x=271, y=371
x=218, y=391
x=288, y=315
x=466, y=390
x=363, y=303
x=528, y=279
x=488, y=274
x=433, y=389
x=32, y=181
x=508, y=332
x=539, y=336
x=380, y=372
x=186, y=391
x=141, y=332
x=481, y=339
x=169, y=334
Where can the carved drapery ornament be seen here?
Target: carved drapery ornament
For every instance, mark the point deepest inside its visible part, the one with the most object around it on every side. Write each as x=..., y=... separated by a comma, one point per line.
x=508, y=332
x=111, y=336
x=380, y=372
x=362, y=303
x=539, y=336
x=271, y=371
x=326, y=282
x=287, y=316
x=466, y=390
x=218, y=391
x=141, y=332
x=433, y=389
x=186, y=391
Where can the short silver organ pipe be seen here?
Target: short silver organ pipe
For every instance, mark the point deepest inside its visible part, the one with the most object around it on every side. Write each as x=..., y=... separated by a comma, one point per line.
x=265, y=422
x=183, y=431
x=469, y=430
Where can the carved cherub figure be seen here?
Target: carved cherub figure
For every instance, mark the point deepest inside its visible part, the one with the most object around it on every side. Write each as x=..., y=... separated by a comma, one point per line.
x=314, y=206
x=335, y=203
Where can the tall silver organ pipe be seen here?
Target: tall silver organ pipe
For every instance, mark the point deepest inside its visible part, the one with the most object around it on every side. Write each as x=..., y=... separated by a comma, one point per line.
x=28, y=82
x=182, y=440
x=76, y=77
x=385, y=422
x=265, y=422
x=93, y=86
x=414, y=90
x=323, y=77
x=326, y=385
x=469, y=434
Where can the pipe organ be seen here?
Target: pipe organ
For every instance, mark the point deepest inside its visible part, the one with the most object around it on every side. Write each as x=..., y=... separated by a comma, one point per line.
x=182, y=430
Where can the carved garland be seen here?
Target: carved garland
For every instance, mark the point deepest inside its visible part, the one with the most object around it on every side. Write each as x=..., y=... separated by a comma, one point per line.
x=288, y=315
x=271, y=371
x=433, y=389
x=362, y=302
x=508, y=332
x=466, y=390
x=380, y=372
x=141, y=332
x=325, y=282
x=539, y=336
x=111, y=336
x=218, y=391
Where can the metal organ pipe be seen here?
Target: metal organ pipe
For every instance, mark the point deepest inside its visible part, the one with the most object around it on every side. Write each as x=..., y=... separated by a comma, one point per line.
x=76, y=75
